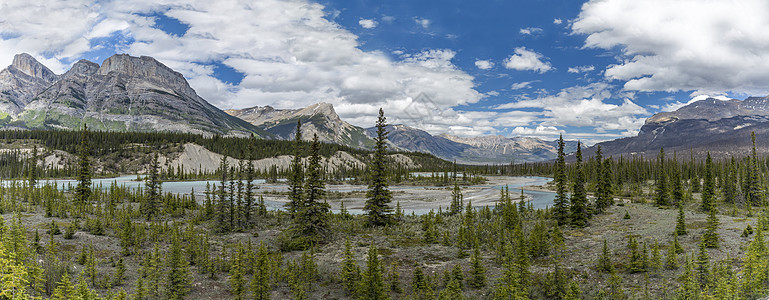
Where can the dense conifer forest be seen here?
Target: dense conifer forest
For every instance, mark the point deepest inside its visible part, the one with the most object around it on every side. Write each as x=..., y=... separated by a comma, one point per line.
x=619, y=228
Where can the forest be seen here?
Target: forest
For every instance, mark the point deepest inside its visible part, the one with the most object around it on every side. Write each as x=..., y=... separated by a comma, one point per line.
x=668, y=227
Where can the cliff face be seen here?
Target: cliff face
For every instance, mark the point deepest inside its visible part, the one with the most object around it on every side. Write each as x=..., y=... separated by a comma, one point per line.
x=125, y=93
x=721, y=127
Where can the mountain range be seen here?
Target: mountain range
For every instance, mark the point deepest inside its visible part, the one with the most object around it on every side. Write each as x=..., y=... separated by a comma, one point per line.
x=721, y=127
x=124, y=93
x=127, y=93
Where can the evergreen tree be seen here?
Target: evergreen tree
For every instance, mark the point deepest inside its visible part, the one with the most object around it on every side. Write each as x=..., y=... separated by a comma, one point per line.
x=379, y=196
x=477, y=278
x=708, y=189
x=178, y=277
x=604, y=197
x=222, y=206
x=238, y=273
x=350, y=272
x=655, y=263
x=660, y=182
x=754, y=192
x=561, y=202
x=710, y=237
x=260, y=284
x=703, y=265
x=312, y=222
x=671, y=259
x=248, y=193
x=456, y=200
x=579, y=209
x=83, y=189
x=604, y=261
x=372, y=285
x=153, y=189
x=636, y=258
x=296, y=177
x=680, y=221
x=677, y=189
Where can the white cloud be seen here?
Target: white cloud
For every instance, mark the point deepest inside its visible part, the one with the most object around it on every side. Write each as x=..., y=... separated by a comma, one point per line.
x=539, y=131
x=706, y=46
x=584, y=106
x=289, y=51
x=581, y=69
x=367, y=23
x=484, y=64
x=557, y=21
x=521, y=85
x=676, y=105
x=527, y=60
x=425, y=23
x=530, y=31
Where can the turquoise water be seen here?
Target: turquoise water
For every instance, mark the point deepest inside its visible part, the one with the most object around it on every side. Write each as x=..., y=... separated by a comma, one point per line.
x=539, y=199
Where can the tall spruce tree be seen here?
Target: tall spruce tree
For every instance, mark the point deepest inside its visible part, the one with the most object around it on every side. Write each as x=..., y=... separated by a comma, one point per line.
x=579, y=206
x=178, y=277
x=456, y=200
x=83, y=189
x=151, y=203
x=708, y=189
x=222, y=207
x=680, y=221
x=710, y=237
x=296, y=177
x=379, y=196
x=661, y=193
x=312, y=221
x=373, y=287
x=604, y=197
x=561, y=205
x=754, y=191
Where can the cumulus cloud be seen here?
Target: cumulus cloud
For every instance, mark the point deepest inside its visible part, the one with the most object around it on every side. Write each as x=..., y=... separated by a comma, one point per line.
x=521, y=85
x=367, y=23
x=557, y=21
x=581, y=69
x=527, y=60
x=676, y=105
x=484, y=64
x=706, y=46
x=425, y=23
x=584, y=106
x=530, y=31
x=290, y=53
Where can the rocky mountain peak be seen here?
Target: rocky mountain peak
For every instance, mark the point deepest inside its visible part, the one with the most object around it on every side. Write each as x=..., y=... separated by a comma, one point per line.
x=321, y=108
x=30, y=66
x=146, y=68
x=83, y=67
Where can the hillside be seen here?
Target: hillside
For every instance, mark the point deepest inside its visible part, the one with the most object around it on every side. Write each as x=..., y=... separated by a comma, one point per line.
x=125, y=93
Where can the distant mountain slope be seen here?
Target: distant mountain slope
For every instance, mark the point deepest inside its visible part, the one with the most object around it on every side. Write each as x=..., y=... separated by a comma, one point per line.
x=721, y=127
x=319, y=118
x=477, y=150
x=125, y=93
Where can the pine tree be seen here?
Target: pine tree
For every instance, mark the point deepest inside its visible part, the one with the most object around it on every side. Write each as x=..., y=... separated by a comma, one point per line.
x=636, y=259
x=677, y=189
x=178, y=277
x=350, y=272
x=703, y=265
x=660, y=182
x=248, y=193
x=671, y=259
x=561, y=202
x=754, y=192
x=655, y=263
x=83, y=189
x=379, y=196
x=222, y=206
x=453, y=291
x=372, y=286
x=680, y=221
x=260, y=284
x=710, y=237
x=579, y=209
x=477, y=278
x=120, y=270
x=237, y=274
x=456, y=200
x=604, y=197
x=296, y=177
x=604, y=261
x=311, y=223
x=708, y=189
x=153, y=189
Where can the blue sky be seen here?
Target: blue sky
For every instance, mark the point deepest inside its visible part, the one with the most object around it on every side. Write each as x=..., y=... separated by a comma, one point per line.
x=591, y=70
